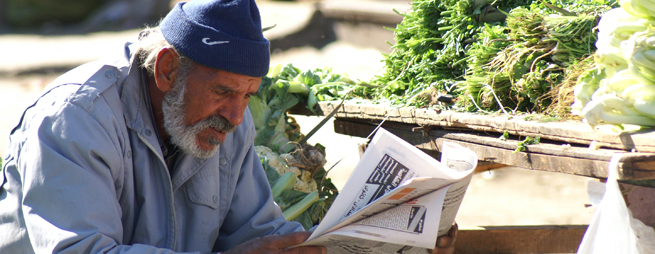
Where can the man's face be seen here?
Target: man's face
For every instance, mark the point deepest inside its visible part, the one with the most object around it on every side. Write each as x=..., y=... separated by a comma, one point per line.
x=204, y=106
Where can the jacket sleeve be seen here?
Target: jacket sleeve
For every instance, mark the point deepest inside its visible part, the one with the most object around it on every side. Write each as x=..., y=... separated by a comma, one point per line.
x=252, y=213
x=65, y=177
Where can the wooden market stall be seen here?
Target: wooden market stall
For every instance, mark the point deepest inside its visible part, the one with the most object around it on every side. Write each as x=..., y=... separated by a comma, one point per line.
x=570, y=147
x=565, y=146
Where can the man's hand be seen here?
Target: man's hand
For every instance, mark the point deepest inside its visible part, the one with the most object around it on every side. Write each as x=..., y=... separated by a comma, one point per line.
x=277, y=244
x=446, y=243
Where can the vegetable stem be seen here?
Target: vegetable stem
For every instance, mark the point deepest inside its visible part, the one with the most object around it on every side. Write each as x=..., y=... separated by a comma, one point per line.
x=285, y=182
x=296, y=209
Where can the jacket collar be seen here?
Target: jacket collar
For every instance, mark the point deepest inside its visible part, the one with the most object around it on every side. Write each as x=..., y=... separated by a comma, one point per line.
x=136, y=112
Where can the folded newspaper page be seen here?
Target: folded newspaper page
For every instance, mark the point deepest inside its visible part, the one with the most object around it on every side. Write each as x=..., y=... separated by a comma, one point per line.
x=397, y=200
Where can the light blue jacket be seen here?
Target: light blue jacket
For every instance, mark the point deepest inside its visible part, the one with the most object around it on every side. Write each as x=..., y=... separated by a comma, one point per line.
x=84, y=173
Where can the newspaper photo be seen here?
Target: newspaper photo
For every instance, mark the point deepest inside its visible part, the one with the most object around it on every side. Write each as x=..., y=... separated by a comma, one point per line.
x=397, y=200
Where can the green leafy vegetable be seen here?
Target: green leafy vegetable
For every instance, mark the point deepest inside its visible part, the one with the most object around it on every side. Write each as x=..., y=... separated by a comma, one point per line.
x=294, y=171
x=522, y=145
x=624, y=93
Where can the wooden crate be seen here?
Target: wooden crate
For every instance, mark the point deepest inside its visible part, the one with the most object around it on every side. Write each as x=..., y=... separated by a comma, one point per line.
x=564, y=145
x=520, y=239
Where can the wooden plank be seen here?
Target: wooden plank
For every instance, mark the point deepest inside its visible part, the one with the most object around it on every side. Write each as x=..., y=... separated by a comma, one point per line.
x=543, y=156
x=487, y=166
x=512, y=144
x=642, y=167
x=520, y=239
x=573, y=132
x=576, y=166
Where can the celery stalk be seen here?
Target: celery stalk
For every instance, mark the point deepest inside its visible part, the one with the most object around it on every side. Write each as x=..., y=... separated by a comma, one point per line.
x=285, y=182
x=615, y=118
x=296, y=209
x=273, y=72
x=297, y=87
x=645, y=107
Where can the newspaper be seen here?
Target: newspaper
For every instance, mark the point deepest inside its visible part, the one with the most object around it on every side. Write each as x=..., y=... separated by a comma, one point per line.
x=397, y=200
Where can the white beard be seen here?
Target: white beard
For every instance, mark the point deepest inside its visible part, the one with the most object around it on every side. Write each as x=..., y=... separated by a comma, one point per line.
x=183, y=136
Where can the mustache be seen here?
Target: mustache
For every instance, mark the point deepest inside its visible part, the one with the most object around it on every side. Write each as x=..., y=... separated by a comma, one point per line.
x=218, y=123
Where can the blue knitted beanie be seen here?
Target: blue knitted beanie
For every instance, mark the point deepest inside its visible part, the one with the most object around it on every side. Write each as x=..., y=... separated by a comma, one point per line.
x=221, y=34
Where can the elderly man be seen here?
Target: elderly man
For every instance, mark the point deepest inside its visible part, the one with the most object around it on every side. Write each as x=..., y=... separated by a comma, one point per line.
x=151, y=150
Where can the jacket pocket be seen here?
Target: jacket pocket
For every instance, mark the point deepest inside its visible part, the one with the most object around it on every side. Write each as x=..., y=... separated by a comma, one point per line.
x=205, y=190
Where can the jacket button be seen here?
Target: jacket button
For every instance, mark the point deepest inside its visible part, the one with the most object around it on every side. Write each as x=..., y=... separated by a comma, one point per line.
x=148, y=132
x=129, y=154
x=110, y=74
x=222, y=161
x=215, y=198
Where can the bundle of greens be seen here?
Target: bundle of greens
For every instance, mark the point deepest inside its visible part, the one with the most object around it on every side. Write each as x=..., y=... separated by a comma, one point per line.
x=298, y=183
x=431, y=45
x=489, y=55
x=515, y=67
x=283, y=88
x=295, y=171
x=620, y=89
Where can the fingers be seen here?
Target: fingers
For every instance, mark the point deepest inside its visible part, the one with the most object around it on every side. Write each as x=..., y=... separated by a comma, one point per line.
x=286, y=240
x=449, y=239
x=277, y=244
x=291, y=239
x=453, y=231
x=446, y=243
x=449, y=250
x=307, y=250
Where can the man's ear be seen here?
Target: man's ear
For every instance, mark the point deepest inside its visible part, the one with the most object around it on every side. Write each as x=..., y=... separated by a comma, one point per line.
x=166, y=69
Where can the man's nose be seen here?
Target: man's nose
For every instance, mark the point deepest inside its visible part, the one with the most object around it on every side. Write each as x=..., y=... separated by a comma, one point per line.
x=233, y=110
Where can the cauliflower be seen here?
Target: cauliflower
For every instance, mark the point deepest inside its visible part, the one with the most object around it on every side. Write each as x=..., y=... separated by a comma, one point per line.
x=304, y=181
x=295, y=170
x=273, y=159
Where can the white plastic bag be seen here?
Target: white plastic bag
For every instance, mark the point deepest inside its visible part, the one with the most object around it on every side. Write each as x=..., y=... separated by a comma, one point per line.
x=612, y=228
